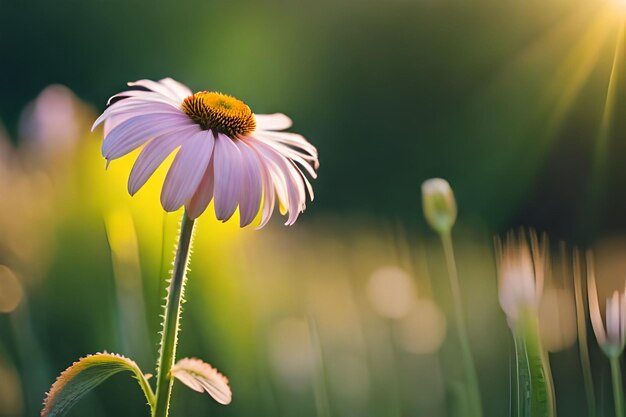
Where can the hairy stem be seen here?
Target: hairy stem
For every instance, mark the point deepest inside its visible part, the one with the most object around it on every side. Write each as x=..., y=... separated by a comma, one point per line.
x=472, y=387
x=618, y=391
x=171, y=319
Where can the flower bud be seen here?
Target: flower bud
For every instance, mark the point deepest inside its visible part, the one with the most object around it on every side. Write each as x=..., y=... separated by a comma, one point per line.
x=439, y=204
x=521, y=272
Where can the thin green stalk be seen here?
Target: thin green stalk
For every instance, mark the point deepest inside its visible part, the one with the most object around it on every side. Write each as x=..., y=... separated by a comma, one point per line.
x=171, y=320
x=322, y=401
x=132, y=325
x=618, y=390
x=468, y=361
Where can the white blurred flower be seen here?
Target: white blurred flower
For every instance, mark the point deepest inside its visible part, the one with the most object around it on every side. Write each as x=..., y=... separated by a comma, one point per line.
x=521, y=269
x=51, y=122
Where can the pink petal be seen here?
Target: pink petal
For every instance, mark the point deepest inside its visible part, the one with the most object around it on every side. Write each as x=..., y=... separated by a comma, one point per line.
x=228, y=175
x=204, y=194
x=309, y=187
x=117, y=119
x=132, y=133
x=187, y=170
x=140, y=95
x=251, y=185
x=268, y=204
x=280, y=185
x=269, y=196
x=276, y=121
x=287, y=182
x=153, y=155
x=305, y=160
x=288, y=138
x=113, y=121
x=133, y=110
x=180, y=89
x=156, y=87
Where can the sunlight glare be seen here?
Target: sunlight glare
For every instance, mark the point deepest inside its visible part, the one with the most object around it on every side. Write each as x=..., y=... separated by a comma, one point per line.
x=620, y=4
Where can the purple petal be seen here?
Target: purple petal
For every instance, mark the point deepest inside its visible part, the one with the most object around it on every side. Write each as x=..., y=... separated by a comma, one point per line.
x=140, y=95
x=132, y=133
x=269, y=194
x=187, y=170
x=227, y=177
x=288, y=138
x=276, y=121
x=179, y=89
x=251, y=184
x=289, y=184
x=204, y=194
x=308, y=162
x=156, y=87
x=153, y=155
x=133, y=110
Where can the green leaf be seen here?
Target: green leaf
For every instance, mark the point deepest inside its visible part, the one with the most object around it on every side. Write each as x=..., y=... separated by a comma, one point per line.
x=86, y=374
x=200, y=376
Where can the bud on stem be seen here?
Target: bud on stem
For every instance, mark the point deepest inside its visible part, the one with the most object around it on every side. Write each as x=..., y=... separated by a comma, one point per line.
x=439, y=204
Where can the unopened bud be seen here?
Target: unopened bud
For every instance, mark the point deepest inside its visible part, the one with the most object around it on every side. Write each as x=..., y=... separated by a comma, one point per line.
x=439, y=204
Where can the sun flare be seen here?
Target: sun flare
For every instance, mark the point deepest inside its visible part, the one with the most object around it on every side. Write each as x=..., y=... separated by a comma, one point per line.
x=619, y=4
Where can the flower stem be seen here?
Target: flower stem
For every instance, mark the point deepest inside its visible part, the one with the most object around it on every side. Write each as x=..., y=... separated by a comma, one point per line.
x=522, y=377
x=171, y=319
x=473, y=390
x=618, y=391
x=538, y=387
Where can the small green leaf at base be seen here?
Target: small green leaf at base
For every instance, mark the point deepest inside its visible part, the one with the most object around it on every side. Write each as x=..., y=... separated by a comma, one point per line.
x=86, y=374
x=200, y=376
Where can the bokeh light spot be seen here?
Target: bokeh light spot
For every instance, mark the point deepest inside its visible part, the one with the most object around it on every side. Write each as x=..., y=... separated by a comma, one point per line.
x=391, y=292
x=11, y=396
x=557, y=319
x=423, y=330
x=11, y=292
x=290, y=352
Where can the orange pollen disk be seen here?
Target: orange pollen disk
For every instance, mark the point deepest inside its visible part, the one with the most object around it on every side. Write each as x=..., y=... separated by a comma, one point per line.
x=220, y=113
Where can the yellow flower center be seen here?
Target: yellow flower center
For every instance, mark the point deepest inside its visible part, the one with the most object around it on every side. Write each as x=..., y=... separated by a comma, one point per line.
x=220, y=113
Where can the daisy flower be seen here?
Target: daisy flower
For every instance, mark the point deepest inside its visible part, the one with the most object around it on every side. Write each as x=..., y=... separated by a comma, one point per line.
x=224, y=152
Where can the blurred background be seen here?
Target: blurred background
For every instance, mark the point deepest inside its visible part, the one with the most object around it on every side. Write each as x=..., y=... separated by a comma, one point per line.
x=517, y=104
